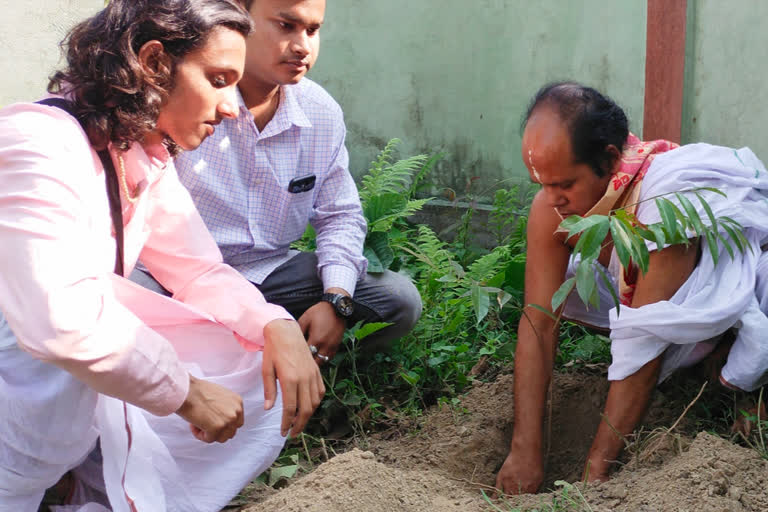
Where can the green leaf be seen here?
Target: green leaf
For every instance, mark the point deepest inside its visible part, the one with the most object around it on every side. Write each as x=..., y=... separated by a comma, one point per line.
x=351, y=399
x=278, y=473
x=379, y=243
x=622, y=243
x=733, y=234
x=739, y=232
x=645, y=233
x=610, y=286
x=480, y=302
x=370, y=328
x=576, y=224
x=693, y=215
x=382, y=205
x=667, y=216
x=591, y=239
x=643, y=256
x=658, y=232
x=681, y=218
x=543, y=310
x=590, y=346
x=725, y=244
x=713, y=189
x=423, y=172
x=498, y=280
x=456, y=319
x=374, y=263
x=307, y=242
x=515, y=273
x=712, y=244
x=562, y=293
x=460, y=272
x=437, y=361
x=586, y=285
x=630, y=243
x=410, y=377
x=708, y=209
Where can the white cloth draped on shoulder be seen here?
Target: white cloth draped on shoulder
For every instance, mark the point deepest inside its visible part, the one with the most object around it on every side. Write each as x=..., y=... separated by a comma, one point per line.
x=149, y=462
x=715, y=297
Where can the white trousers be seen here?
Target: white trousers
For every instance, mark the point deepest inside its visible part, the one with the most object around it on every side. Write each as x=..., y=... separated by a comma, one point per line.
x=50, y=422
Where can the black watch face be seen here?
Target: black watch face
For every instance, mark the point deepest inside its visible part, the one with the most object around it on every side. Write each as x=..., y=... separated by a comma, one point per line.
x=345, y=306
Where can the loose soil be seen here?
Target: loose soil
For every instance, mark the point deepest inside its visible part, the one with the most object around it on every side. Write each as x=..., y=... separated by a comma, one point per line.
x=442, y=462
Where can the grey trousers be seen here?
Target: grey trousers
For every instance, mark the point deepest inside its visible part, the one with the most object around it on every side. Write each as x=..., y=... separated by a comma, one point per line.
x=388, y=297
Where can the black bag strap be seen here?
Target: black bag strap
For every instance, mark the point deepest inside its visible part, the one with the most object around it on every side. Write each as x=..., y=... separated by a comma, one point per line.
x=113, y=186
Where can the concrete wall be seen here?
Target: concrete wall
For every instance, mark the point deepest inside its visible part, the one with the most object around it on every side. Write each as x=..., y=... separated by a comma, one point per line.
x=725, y=99
x=456, y=75
x=29, y=36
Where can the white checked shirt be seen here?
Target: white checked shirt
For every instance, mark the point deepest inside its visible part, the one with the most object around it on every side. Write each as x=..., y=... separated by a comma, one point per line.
x=239, y=178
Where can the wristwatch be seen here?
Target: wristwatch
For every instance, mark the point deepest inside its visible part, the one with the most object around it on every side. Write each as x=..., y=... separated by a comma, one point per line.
x=343, y=305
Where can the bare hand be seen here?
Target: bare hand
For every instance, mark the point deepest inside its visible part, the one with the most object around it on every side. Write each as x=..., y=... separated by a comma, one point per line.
x=522, y=472
x=214, y=413
x=323, y=329
x=596, y=469
x=287, y=358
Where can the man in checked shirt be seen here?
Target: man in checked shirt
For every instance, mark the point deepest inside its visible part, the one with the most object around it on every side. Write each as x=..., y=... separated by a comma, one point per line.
x=280, y=165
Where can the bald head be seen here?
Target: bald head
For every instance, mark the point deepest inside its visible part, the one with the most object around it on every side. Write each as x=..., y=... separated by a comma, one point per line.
x=597, y=127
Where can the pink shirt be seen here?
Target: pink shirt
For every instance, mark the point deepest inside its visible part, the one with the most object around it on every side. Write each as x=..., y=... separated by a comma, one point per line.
x=57, y=255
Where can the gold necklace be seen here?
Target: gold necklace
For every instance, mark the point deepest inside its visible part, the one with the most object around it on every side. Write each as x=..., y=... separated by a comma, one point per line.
x=131, y=199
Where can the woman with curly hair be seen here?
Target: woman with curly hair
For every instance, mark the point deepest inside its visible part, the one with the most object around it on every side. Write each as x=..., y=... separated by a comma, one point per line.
x=86, y=356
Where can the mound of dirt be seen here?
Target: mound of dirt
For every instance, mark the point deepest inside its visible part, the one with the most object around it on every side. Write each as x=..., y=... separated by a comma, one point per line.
x=470, y=442
x=355, y=481
x=713, y=475
x=442, y=463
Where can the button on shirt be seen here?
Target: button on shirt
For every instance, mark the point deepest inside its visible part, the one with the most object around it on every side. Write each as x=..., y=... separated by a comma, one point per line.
x=239, y=179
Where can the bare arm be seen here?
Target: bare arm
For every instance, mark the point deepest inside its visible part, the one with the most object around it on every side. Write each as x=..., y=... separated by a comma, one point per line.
x=547, y=262
x=628, y=399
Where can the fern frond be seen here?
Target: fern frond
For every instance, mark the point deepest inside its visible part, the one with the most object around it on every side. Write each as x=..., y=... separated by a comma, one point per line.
x=385, y=222
x=384, y=157
x=394, y=178
x=426, y=169
x=415, y=205
x=489, y=265
x=432, y=251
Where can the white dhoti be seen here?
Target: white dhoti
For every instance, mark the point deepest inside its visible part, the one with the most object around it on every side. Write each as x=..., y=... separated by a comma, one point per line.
x=733, y=293
x=51, y=422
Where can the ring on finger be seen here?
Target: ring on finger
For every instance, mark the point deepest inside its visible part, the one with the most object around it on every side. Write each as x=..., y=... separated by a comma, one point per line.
x=322, y=357
x=313, y=350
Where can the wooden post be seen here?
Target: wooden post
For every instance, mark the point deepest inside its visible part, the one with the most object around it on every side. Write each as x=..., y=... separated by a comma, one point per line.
x=664, y=69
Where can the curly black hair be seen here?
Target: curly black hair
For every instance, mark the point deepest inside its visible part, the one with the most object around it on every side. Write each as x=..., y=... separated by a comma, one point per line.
x=113, y=97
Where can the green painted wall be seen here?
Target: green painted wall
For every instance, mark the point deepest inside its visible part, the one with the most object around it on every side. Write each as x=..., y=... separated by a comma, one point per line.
x=456, y=75
x=726, y=76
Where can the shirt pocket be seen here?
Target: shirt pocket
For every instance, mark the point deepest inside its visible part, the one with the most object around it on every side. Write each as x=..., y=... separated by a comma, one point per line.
x=297, y=207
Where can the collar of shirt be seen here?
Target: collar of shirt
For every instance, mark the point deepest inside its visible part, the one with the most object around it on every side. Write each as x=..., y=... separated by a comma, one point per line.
x=289, y=113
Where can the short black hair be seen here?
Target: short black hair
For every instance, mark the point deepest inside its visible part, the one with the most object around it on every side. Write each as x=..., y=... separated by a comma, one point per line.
x=594, y=122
